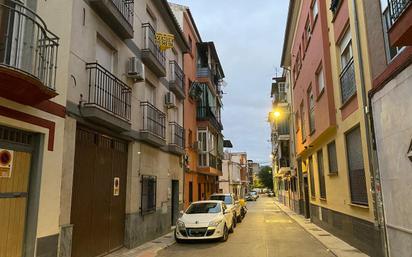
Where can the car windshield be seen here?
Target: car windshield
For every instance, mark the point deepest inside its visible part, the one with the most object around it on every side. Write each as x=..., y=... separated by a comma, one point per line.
x=203, y=208
x=253, y=193
x=225, y=198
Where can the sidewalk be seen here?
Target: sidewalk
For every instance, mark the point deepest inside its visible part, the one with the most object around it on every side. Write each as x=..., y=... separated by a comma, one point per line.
x=148, y=249
x=334, y=244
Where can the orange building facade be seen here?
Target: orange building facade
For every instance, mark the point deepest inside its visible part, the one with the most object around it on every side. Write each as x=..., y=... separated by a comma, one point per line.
x=202, y=112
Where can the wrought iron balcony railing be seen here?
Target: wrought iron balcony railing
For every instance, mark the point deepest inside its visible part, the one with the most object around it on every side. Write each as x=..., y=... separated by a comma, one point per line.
x=154, y=120
x=208, y=113
x=397, y=7
x=176, y=79
x=348, y=82
x=149, y=43
x=177, y=134
x=125, y=7
x=26, y=44
x=108, y=92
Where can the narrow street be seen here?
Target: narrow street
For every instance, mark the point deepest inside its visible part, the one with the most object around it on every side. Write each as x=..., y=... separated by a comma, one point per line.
x=265, y=231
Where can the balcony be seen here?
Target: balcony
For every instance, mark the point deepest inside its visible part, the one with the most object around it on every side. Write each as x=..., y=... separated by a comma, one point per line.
x=400, y=33
x=118, y=14
x=28, y=55
x=208, y=74
x=348, y=82
x=109, y=99
x=154, y=125
x=177, y=134
x=152, y=57
x=206, y=113
x=176, y=80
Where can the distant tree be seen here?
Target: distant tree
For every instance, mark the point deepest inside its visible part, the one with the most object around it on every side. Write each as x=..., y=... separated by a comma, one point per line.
x=257, y=184
x=265, y=177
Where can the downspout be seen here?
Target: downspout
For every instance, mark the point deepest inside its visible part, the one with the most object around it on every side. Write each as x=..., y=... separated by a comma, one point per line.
x=372, y=160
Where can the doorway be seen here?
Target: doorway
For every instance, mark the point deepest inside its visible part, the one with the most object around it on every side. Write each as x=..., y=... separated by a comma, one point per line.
x=175, y=201
x=306, y=196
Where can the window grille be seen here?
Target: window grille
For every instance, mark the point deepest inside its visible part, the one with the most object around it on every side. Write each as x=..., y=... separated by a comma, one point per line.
x=148, y=196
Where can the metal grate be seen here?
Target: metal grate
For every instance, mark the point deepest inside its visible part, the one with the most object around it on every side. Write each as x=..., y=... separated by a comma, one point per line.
x=148, y=194
x=15, y=136
x=347, y=82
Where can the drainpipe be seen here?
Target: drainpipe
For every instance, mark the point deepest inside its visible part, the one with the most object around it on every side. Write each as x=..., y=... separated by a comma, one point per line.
x=373, y=164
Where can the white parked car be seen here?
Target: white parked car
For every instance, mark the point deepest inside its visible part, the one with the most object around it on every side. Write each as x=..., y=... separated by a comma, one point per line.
x=232, y=204
x=204, y=220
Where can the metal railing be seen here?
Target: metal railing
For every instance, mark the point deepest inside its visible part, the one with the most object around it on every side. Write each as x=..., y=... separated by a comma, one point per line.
x=154, y=120
x=397, y=7
x=348, y=82
x=149, y=43
x=176, y=75
x=108, y=92
x=126, y=8
x=177, y=134
x=208, y=113
x=26, y=44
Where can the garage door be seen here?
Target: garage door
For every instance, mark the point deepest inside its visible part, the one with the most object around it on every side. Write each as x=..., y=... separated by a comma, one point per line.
x=99, y=191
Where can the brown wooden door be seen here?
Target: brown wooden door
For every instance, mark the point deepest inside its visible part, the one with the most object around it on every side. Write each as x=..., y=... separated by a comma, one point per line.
x=98, y=211
x=13, y=201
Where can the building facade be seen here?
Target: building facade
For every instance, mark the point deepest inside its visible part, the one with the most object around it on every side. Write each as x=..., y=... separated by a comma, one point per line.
x=389, y=40
x=123, y=141
x=324, y=50
x=202, y=112
x=282, y=138
x=34, y=50
x=234, y=178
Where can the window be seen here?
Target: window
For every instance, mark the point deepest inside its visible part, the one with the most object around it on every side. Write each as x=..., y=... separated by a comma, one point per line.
x=308, y=32
x=347, y=76
x=334, y=6
x=148, y=194
x=105, y=54
x=151, y=17
x=302, y=121
x=151, y=94
x=321, y=175
x=357, y=178
x=202, y=139
x=332, y=158
x=312, y=179
x=315, y=10
x=190, y=191
x=311, y=101
x=320, y=80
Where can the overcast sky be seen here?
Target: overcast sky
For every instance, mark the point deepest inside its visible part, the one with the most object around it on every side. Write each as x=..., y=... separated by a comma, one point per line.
x=249, y=37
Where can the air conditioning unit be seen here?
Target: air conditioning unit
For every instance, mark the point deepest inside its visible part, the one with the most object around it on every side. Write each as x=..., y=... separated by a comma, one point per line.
x=170, y=100
x=135, y=69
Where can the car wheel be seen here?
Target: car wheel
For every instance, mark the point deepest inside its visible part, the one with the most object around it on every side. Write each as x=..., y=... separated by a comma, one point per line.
x=234, y=222
x=239, y=218
x=225, y=234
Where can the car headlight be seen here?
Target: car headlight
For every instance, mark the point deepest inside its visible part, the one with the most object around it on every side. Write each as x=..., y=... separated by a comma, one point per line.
x=180, y=224
x=215, y=223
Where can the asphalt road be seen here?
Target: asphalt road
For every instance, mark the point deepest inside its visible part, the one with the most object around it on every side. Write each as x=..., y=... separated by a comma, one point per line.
x=265, y=232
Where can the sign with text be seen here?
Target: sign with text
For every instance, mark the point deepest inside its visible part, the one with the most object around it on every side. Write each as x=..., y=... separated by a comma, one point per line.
x=165, y=41
x=6, y=163
x=116, y=186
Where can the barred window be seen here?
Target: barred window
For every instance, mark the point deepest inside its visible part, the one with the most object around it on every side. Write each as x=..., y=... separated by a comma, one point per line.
x=321, y=175
x=357, y=178
x=332, y=158
x=311, y=101
x=149, y=185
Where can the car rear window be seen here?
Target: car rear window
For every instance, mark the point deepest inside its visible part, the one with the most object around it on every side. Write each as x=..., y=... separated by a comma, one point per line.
x=197, y=208
x=225, y=198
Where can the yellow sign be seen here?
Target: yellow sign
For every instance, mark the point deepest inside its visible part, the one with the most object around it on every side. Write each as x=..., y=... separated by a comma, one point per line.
x=6, y=163
x=165, y=41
